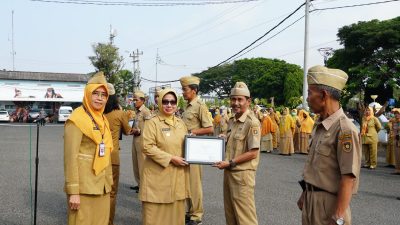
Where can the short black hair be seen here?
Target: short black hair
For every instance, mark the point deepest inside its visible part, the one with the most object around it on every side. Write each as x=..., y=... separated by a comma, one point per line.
x=333, y=92
x=194, y=87
x=142, y=99
x=112, y=104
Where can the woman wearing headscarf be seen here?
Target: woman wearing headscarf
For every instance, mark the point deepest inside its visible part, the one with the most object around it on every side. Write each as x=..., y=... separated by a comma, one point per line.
x=119, y=122
x=390, y=154
x=306, y=126
x=396, y=139
x=217, y=122
x=165, y=184
x=267, y=129
x=87, y=157
x=296, y=134
x=286, y=130
x=369, y=136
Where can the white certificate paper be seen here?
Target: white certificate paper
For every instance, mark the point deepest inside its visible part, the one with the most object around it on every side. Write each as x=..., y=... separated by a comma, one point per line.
x=204, y=150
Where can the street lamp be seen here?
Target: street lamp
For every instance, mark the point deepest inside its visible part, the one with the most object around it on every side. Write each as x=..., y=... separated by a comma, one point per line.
x=326, y=52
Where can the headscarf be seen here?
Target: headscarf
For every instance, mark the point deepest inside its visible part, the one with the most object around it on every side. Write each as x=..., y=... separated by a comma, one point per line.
x=267, y=126
x=286, y=123
x=307, y=123
x=365, y=121
x=170, y=119
x=80, y=117
x=217, y=117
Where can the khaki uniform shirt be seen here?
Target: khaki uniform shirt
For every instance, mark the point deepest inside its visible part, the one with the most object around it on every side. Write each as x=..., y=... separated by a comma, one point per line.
x=243, y=135
x=196, y=115
x=163, y=182
x=374, y=126
x=335, y=150
x=142, y=114
x=79, y=153
x=118, y=121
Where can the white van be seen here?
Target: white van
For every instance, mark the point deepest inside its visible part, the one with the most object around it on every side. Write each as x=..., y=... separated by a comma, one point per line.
x=63, y=113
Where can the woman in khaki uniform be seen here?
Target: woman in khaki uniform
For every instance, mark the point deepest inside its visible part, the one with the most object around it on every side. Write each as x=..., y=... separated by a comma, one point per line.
x=396, y=139
x=267, y=129
x=296, y=134
x=390, y=154
x=87, y=163
x=119, y=122
x=286, y=129
x=165, y=179
x=369, y=136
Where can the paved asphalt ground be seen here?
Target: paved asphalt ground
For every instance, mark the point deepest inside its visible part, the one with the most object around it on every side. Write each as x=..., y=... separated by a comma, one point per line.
x=276, y=190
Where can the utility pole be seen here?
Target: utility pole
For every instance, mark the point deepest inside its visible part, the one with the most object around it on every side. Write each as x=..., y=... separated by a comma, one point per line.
x=305, y=66
x=136, y=69
x=157, y=61
x=12, y=39
x=113, y=34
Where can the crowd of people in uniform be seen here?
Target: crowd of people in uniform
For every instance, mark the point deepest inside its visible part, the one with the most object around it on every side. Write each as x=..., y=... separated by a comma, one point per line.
x=170, y=189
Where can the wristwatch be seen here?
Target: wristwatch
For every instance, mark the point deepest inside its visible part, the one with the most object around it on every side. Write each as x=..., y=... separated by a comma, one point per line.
x=232, y=164
x=338, y=221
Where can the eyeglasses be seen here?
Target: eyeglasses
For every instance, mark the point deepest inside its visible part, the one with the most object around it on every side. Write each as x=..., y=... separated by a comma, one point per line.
x=100, y=94
x=167, y=102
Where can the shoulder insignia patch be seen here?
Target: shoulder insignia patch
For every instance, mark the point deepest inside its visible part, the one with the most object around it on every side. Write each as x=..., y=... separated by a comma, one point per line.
x=254, y=130
x=346, y=141
x=347, y=146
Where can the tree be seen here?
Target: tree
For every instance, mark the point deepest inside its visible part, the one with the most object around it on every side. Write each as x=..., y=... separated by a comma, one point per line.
x=108, y=60
x=371, y=57
x=265, y=78
x=123, y=82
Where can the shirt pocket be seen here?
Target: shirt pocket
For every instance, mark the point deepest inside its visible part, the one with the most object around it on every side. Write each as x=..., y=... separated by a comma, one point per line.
x=239, y=143
x=322, y=156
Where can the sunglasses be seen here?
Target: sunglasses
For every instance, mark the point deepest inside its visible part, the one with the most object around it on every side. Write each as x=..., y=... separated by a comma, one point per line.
x=167, y=102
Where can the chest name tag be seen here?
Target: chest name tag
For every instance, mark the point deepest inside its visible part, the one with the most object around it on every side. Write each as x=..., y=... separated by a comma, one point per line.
x=102, y=149
x=165, y=129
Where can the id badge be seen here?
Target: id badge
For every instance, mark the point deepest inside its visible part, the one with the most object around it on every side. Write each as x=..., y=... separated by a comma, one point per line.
x=102, y=149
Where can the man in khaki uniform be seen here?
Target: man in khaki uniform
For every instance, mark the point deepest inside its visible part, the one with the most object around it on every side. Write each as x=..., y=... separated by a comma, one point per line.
x=198, y=123
x=241, y=160
x=331, y=173
x=142, y=114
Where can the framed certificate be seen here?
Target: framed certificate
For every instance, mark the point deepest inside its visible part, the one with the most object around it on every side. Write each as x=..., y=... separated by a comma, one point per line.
x=204, y=149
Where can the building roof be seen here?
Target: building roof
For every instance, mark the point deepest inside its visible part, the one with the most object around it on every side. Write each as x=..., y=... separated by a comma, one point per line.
x=43, y=76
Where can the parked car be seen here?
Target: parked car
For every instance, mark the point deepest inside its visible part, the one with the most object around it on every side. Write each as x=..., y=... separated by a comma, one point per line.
x=4, y=116
x=63, y=113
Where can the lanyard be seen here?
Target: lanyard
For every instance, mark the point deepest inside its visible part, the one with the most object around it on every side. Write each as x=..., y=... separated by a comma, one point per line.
x=95, y=124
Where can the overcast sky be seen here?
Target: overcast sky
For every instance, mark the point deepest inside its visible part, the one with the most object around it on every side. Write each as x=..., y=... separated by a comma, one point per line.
x=52, y=37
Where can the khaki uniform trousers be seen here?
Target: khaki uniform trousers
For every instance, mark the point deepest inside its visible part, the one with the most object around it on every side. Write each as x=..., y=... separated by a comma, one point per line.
x=113, y=193
x=137, y=158
x=163, y=213
x=390, y=152
x=370, y=154
x=319, y=207
x=266, y=143
x=239, y=201
x=396, y=146
x=195, y=203
x=93, y=210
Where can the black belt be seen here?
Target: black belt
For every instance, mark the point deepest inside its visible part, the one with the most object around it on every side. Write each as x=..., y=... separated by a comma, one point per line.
x=312, y=188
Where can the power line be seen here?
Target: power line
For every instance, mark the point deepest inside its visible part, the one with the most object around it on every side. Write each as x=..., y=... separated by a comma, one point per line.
x=149, y=3
x=269, y=38
x=351, y=6
x=262, y=36
x=154, y=81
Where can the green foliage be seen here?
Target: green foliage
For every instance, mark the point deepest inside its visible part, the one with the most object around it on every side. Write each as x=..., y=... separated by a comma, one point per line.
x=106, y=59
x=181, y=102
x=265, y=78
x=123, y=82
x=371, y=57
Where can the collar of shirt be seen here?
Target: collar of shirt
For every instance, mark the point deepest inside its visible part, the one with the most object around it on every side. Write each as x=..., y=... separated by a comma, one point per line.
x=193, y=101
x=328, y=122
x=242, y=118
x=141, y=108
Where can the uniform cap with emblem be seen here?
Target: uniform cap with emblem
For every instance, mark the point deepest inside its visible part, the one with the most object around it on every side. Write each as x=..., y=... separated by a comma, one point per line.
x=188, y=80
x=322, y=75
x=111, y=89
x=139, y=94
x=396, y=110
x=240, y=89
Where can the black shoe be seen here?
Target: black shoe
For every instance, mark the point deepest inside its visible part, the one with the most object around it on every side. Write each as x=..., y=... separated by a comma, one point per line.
x=193, y=222
x=136, y=188
x=398, y=198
